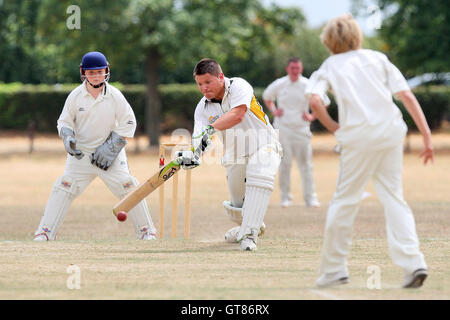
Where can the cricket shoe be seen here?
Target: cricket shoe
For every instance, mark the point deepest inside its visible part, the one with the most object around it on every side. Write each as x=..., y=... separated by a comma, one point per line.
x=415, y=279
x=40, y=237
x=248, y=244
x=148, y=236
x=232, y=234
x=286, y=203
x=313, y=204
x=332, y=279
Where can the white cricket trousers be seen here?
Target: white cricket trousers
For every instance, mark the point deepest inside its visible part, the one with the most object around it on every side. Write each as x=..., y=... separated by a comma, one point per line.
x=296, y=143
x=356, y=168
x=78, y=174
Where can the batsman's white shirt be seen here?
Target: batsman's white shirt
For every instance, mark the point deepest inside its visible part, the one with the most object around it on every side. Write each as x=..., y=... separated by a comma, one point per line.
x=289, y=96
x=363, y=82
x=245, y=138
x=92, y=120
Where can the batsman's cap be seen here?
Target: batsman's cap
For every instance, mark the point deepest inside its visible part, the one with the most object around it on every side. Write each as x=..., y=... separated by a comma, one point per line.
x=94, y=60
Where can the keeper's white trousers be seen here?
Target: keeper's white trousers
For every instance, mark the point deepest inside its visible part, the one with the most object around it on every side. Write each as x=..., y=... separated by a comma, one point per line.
x=356, y=168
x=296, y=143
x=78, y=174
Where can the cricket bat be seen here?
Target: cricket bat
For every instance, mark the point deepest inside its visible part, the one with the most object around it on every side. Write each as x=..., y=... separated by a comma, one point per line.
x=144, y=189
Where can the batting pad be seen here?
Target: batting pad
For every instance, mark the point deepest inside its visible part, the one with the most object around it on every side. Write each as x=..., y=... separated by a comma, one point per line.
x=63, y=193
x=255, y=207
x=235, y=214
x=140, y=215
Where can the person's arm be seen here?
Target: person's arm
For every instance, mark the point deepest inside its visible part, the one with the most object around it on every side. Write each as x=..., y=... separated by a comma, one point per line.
x=413, y=107
x=231, y=118
x=321, y=113
x=270, y=95
x=277, y=112
x=315, y=91
x=67, y=117
x=310, y=117
x=125, y=118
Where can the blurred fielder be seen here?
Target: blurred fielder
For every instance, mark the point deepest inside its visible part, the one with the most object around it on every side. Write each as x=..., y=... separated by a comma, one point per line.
x=371, y=132
x=94, y=125
x=251, y=150
x=292, y=118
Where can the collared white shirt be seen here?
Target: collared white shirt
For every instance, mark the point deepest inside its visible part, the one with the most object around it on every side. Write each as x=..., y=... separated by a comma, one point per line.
x=92, y=120
x=289, y=96
x=363, y=82
x=245, y=138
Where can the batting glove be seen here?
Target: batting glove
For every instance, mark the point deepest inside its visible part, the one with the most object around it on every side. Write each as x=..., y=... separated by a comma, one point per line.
x=105, y=155
x=204, y=138
x=188, y=159
x=70, y=143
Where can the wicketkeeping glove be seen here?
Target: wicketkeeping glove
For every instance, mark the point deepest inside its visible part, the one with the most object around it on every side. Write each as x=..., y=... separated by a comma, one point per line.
x=188, y=159
x=204, y=138
x=70, y=143
x=105, y=155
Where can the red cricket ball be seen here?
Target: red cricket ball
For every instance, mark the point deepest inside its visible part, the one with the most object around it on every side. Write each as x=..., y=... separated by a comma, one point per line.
x=122, y=216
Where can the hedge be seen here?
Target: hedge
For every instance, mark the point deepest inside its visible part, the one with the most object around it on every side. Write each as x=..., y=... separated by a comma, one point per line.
x=41, y=105
x=22, y=106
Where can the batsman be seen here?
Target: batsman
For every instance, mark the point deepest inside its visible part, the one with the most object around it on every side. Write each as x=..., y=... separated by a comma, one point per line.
x=252, y=152
x=94, y=125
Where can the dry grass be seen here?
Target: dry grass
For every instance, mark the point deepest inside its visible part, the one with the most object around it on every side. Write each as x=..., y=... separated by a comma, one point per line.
x=115, y=266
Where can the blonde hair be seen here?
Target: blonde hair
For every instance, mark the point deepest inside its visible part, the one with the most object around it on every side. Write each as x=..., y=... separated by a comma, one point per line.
x=342, y=34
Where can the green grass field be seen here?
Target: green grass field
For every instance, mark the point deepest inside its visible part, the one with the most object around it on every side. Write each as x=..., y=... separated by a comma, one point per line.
x=113, y=265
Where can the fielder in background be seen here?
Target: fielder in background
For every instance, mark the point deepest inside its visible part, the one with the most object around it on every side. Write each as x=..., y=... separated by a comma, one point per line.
x=371, y=132
x=292, y=119
x=94, y=125
x=251, y=150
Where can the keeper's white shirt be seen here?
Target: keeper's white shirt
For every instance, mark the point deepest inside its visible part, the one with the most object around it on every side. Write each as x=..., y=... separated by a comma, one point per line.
x=92, y=120
x=363, y=83
x=245, y=138
x=289, y=96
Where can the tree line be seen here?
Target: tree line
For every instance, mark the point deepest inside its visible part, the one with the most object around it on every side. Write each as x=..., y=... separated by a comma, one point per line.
x=156, y=42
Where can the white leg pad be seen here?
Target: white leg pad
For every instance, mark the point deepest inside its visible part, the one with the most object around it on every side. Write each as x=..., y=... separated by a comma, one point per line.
x=235, y=214
x=63, y=193
x=255, y=207
x=140, y=215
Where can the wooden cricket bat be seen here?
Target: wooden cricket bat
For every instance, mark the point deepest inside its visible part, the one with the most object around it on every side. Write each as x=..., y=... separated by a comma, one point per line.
x=144, y=189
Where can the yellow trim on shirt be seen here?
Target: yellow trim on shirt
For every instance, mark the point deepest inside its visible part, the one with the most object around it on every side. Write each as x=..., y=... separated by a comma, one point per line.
x=257, y=110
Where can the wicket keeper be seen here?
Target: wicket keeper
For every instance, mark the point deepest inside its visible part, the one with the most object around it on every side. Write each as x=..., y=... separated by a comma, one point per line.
x=95, y=122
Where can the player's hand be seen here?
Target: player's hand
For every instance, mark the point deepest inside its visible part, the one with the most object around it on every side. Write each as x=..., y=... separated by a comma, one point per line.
x=277, y=112
x=203, y=139
x=70, y=143
x=308, y=116
x=428, y=152
x=188, y=159
x=105, y=155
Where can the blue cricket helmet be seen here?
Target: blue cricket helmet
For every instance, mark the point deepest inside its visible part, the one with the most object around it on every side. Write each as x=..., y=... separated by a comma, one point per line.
x=94, y=60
